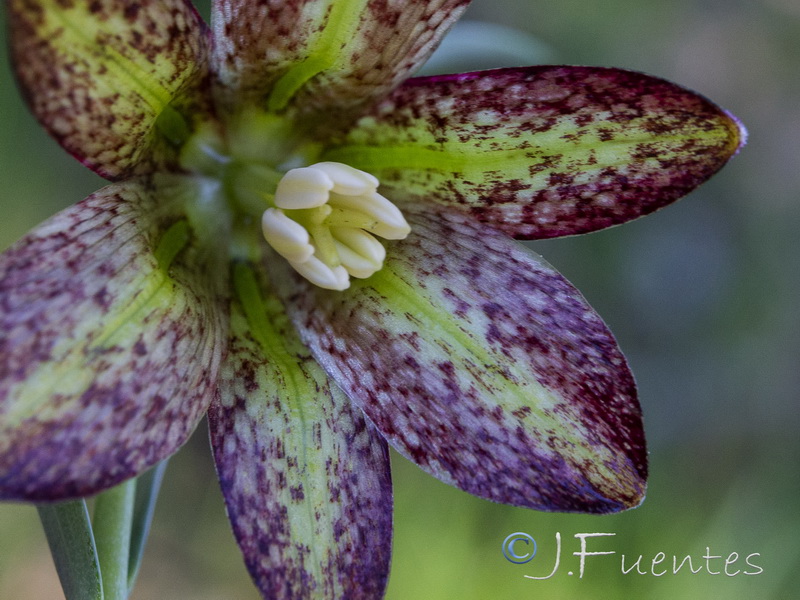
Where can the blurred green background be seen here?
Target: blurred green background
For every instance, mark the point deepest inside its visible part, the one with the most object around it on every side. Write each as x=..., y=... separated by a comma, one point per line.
x=702, y=297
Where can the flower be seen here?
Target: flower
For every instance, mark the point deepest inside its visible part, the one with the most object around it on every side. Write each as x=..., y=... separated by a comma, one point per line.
x=253, y=165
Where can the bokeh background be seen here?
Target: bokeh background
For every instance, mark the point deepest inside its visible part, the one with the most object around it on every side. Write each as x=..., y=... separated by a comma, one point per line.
x=703, y=297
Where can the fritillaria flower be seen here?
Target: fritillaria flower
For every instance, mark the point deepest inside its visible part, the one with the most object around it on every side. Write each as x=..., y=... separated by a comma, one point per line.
x=317, y=252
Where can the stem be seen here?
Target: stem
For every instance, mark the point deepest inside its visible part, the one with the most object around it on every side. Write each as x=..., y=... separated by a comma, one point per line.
x=113, y=516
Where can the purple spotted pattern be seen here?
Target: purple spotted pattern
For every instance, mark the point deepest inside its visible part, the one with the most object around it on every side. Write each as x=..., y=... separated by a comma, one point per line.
x=389, y=346
x=94, y=90
x=257, y=42
x=650, y=142
x=305, y=478
x=89, y=399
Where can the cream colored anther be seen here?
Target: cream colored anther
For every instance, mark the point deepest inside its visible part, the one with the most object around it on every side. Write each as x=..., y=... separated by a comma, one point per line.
x=287, y=237
x=305, y=187
x=324, y=220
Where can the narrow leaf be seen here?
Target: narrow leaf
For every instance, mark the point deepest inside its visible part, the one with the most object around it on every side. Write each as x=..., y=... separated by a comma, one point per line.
x=69, y=535
x=147, y=488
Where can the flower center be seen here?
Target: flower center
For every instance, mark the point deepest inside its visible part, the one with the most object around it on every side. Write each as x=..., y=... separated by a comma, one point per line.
x=325, y=220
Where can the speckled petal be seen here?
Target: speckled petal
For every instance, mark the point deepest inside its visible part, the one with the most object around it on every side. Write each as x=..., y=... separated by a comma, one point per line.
x=484, y=366
x=305, y=477
x=111, y=337
x=323, y=55
x=544, y=151
x=99, y=74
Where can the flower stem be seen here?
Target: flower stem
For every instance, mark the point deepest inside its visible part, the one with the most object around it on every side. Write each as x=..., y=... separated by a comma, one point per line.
x=112, y=519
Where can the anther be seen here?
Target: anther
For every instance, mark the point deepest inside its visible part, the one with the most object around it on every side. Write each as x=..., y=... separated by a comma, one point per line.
x=324, y=222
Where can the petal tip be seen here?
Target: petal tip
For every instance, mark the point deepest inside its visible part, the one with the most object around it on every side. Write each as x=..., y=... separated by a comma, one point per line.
x=635, y=498
x=739, y=132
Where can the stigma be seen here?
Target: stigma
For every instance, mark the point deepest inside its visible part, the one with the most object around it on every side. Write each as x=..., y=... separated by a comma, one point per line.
x=325, y=221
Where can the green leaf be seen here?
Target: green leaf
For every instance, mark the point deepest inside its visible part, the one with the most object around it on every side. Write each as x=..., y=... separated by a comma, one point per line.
x=69, y=534
x=113, y=514
x=147, y=488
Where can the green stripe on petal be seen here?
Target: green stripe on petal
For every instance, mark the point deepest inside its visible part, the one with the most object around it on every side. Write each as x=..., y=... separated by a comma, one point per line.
x=111, y=335
x=342, y=20
x=480, y=363
x=114, y=82
x=305, y=478
x=543, y=151
x=323, y=55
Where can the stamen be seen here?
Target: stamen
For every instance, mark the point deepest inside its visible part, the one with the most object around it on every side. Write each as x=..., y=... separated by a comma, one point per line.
x=287, y=237
x=360, y=253
x=389, y=221
x=324, y=221
x=347, y=180
x=318, y=273
x=305, y=187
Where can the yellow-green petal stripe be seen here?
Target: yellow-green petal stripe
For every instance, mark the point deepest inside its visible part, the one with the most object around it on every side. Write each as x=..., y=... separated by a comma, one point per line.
x=112, y=323
x=543, y=151
x=98, y=74
x=323, y=53
x=324, y=61
x=305, y=477
x=484, y=366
